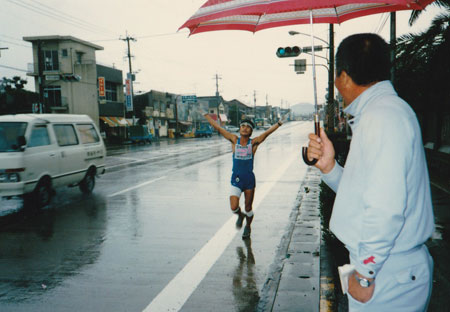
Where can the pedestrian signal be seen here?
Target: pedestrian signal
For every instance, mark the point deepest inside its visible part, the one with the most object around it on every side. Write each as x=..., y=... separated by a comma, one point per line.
x=288, y=51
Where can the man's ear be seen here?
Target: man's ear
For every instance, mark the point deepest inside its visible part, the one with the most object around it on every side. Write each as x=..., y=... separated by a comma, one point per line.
x=346, y=79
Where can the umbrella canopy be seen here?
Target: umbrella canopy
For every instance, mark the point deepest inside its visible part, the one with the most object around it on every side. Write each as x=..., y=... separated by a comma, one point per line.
x=255, y=15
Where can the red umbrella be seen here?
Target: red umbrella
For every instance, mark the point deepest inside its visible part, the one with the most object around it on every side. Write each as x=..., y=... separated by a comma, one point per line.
x=255, y=15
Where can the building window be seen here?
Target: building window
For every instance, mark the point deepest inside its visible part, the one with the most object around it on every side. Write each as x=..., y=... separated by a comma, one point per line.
x=79, y=56
x=64, y=53
x=51, y=62
x=52, y=96
x=111, y=91
x=163, y=107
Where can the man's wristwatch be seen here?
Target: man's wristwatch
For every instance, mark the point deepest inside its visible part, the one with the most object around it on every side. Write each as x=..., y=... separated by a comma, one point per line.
x=280, y=123
x=364, y=282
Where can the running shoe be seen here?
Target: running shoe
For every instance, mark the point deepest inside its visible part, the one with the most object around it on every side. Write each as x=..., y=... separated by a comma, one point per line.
x=240, y=220
x=247, y=231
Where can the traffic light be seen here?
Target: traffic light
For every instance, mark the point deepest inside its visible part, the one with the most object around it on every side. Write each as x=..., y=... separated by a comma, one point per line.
x=288, y=51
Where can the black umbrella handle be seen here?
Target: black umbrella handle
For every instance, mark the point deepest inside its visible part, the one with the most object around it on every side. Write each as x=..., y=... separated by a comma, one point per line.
x=305, y=149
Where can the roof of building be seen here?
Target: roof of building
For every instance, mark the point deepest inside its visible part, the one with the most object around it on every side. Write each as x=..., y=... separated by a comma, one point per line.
x=62, y=38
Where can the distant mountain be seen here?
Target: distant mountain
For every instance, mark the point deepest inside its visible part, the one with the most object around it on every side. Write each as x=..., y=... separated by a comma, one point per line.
x=302, y=109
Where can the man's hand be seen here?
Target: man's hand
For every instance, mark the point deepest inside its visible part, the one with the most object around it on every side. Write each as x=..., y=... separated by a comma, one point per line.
x=322, y=149
x=202, y=111
x=357, y=291
x=284, y=118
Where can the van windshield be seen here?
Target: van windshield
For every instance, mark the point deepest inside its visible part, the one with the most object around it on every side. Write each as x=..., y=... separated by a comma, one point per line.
x=9, y=133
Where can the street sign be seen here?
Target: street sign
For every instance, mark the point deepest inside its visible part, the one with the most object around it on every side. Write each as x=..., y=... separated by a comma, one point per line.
x=128, y=96
x=101, y=87
x=36, y=108
x=189, y=99
x=300, y=65
x=309, y=49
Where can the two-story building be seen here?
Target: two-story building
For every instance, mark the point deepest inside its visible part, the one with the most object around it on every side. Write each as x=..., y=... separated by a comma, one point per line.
x=158, y=109
x=111, y=104
x=65, y=72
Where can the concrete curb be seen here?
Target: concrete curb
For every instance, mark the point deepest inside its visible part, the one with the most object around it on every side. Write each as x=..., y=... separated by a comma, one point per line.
x=294, y=281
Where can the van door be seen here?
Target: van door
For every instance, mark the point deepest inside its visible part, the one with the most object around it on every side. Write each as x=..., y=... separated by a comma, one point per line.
x=71, y=153
x=40, y=157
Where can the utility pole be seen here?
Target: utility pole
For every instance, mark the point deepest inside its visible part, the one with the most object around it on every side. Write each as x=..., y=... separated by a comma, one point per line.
x=130, y=71
x=330, y=108
x=254, y=103
x=40, y=69
x=393, y=45
x=217, y=94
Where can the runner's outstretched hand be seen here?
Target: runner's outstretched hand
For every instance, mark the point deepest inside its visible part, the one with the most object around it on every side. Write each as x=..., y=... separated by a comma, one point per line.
x=284, y=118
x=322, y=149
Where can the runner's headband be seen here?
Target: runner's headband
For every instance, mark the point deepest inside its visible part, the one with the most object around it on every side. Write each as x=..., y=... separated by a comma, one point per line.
x=247, y=124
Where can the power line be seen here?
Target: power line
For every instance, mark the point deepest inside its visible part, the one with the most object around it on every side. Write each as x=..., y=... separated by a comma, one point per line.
x=16, y=44
x=161, y=35
x=52, y=15
x=385, y=17
x=14, y=68
x=76, y=19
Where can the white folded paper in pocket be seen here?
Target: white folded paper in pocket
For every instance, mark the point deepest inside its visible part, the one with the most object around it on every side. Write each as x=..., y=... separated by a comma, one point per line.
x=344, y=272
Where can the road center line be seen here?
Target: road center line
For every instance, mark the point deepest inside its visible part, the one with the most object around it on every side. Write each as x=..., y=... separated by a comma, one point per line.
x=181, y=287
x=136, y=186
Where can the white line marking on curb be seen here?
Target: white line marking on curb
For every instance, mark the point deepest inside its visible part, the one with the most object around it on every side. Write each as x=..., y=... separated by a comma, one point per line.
x=180, y=288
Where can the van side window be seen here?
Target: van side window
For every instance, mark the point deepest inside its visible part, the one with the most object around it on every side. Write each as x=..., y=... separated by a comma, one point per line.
x=39, y=136
x=88, y=134
x=65, y=135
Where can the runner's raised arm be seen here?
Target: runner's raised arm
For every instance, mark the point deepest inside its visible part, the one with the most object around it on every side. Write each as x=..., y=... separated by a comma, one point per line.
x=227, y=135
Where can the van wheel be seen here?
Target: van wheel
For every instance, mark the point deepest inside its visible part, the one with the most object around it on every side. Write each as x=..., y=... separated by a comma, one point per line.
x=42, y=194
x=88, y=183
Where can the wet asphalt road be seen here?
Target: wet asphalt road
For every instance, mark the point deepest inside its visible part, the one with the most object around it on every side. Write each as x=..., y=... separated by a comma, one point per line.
x=157, y=233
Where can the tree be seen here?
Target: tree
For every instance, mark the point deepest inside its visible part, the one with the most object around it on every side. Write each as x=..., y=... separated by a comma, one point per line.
x=416, y=13
x=423, y=68
x=13, y=98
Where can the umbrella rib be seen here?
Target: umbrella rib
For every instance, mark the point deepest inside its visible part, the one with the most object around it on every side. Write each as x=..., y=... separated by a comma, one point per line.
x=337, y=15
x=257, y=23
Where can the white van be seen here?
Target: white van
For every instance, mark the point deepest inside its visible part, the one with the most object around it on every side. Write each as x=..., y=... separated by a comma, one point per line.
x=41, y=151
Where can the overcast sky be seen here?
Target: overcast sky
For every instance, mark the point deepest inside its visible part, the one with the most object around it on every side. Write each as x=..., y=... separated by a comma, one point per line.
x=167, y=60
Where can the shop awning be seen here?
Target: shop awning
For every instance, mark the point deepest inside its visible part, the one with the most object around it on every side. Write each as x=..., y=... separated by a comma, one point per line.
x=115, y=121
x=223, y=117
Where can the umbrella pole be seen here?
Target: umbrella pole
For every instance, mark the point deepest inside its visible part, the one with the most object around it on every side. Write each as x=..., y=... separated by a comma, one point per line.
x=313, y=57
x=316, y=110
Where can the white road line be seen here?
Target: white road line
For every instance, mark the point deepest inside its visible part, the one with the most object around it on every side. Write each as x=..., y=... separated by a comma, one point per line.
x=136, y=186
x=180, y=288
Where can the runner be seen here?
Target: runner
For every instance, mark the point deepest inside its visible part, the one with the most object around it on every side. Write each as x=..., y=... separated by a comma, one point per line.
x=243, y=178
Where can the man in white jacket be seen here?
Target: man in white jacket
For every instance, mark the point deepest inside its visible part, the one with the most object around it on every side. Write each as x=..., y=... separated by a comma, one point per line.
x=382, y=211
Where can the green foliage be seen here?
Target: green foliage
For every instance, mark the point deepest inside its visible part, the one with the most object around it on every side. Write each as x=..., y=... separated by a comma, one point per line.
x=13, y=98
x=423, y=65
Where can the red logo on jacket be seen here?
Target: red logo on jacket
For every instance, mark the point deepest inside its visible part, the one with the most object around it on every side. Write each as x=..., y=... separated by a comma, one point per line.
x=371, y=259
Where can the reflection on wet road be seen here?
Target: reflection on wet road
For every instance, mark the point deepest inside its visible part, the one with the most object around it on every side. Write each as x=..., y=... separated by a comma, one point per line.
x=150, y=215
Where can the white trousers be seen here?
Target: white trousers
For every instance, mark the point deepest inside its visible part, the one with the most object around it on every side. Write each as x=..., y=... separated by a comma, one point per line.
x=403, y=284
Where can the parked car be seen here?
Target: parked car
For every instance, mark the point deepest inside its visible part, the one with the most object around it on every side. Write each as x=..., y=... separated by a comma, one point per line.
x=41, y=151
x=230, y=128
x=139, y=134
x=203, y=130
